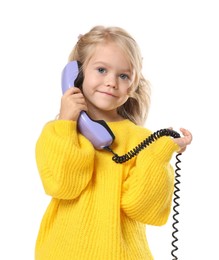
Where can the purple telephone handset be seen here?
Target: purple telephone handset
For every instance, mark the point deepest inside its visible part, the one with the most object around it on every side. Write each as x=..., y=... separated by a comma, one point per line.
x=97, y=131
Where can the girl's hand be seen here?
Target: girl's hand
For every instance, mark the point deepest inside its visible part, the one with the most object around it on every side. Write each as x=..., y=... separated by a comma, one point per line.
x=72, y=103
x=183, y=141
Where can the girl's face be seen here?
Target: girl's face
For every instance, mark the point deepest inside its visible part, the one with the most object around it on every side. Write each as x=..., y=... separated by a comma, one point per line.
x=107, y=81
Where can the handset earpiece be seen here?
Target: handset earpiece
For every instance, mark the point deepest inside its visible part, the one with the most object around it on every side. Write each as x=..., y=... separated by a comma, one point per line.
x=96, y=131
x=69, y=75
x=80, y=77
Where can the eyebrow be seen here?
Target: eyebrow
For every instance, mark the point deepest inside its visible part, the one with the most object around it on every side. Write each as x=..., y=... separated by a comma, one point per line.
x=107, y=65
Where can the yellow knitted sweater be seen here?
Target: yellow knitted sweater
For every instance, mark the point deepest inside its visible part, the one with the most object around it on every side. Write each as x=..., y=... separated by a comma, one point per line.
x=99, y=208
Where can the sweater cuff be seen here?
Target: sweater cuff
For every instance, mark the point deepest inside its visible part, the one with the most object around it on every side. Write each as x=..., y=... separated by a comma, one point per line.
x=162, y=149
x=166, y=148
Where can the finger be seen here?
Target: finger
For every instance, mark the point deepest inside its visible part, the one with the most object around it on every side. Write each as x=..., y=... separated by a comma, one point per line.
x=72, y=96
x=185, y=131
x=72, y=90
x=76, y=96
x=81, y=102
x=187, y=134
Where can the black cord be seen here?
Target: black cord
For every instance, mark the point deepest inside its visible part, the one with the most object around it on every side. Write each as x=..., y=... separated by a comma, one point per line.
x=153, y=137
x=124, y=158
x=175, y=206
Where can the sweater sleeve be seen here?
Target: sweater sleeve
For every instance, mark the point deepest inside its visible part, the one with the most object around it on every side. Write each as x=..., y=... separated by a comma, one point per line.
x=148, y=189
x=64, y=159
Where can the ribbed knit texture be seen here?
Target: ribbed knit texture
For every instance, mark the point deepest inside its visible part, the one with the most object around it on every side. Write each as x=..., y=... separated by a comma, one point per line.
x=99, y=209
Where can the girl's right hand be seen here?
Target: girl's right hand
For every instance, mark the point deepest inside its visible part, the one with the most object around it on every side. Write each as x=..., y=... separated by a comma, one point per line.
x=183, y=141
x=72, y=103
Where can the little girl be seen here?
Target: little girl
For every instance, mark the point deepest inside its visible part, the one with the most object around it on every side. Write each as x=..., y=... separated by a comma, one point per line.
x=99, y=209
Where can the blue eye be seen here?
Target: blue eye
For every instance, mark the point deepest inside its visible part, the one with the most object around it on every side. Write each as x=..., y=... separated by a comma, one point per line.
x=101, y=70
x=124, y=76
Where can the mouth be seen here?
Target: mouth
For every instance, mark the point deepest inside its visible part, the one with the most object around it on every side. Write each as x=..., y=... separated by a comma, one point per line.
x=106, y=93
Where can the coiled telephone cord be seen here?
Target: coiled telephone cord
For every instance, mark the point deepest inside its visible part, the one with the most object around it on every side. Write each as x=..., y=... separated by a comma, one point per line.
x=145, y=143
x=124, y=158
x=175, y=206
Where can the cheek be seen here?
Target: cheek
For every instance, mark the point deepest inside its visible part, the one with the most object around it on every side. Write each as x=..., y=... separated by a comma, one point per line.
x=89, y=82
x=127, y=92
x=86, y=90
x=130, y=92
x=124, y=97
x=86, y=85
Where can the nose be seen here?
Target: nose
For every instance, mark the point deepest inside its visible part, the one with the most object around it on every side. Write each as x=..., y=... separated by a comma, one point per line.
x=110, y=81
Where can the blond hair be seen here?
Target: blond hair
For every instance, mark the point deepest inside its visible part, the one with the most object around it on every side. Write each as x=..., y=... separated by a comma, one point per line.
x=137, y=106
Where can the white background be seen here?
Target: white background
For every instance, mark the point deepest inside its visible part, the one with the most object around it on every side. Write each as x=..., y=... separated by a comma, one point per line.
x=179, y=43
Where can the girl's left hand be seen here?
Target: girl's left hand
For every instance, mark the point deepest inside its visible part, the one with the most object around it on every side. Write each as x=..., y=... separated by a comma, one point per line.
x=183, y=141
